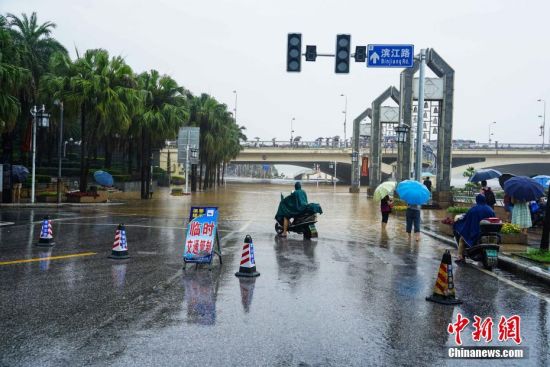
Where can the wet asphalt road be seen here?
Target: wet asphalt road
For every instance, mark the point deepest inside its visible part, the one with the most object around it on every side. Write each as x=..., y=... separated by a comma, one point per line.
x=354, y=296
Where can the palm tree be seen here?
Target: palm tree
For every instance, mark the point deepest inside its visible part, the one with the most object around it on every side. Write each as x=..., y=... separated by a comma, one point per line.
x=13, y=78
x=164, y=112
x=101, y=91
x=36, y=45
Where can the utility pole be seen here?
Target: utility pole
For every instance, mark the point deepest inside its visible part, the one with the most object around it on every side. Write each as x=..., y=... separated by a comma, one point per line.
x=59, y=181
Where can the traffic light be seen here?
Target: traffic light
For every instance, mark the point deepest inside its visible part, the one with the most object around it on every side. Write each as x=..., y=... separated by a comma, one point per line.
x=360, y=53
x=343, y=44
x=311, y=53
x=294, y=52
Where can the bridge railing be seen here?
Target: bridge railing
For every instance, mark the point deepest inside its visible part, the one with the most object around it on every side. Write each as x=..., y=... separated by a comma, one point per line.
x=387, y=147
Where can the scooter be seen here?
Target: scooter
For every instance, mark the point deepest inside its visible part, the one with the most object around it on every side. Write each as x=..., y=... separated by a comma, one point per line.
x=302, y=224
x=488, y=244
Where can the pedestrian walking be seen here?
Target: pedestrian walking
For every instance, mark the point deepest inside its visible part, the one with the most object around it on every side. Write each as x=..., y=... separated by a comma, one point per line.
x=428, y=184
x=521, y=215
x=386, y=205
x=413, y=220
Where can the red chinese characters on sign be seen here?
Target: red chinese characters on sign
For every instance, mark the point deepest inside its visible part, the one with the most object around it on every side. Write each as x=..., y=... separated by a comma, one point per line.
x=207, y=228
x=482, y=329
x=195, y=229
x=509, y=329
x=457, y=327
x=189, y=246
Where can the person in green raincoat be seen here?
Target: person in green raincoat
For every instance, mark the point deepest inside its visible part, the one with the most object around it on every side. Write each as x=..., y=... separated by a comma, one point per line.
x=291, y=206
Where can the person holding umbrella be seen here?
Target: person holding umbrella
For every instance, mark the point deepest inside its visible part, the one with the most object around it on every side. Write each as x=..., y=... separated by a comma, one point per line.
x=522, y=190
x=414, y=194
x=382, y=193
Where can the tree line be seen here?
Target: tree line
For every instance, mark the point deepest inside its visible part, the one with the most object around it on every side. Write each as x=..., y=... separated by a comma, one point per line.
x=107, y=106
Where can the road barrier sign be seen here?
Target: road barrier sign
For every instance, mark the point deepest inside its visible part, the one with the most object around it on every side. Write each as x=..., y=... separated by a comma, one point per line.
x=390, y=56
x=202, y=239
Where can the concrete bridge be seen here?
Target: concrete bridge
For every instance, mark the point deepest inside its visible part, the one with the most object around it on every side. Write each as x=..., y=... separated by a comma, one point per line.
x=512, y=158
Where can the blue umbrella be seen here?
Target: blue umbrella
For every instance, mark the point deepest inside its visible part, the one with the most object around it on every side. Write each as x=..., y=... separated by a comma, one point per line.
x=427, y=174
x=103, y=178
x=523, y=188
x=413, y=192
x=485, y=174
x=19, y=173
x=544, y=180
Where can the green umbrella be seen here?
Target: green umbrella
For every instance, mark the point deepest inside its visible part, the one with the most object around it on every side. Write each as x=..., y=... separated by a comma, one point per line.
x=385, y=188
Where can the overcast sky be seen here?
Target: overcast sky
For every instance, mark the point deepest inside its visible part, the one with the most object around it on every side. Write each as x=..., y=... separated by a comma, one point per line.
x=500, y=51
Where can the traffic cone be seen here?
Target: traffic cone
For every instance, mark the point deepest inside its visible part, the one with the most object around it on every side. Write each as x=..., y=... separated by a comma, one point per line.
x=444, y=289
x=46, y=234
x=248, y=264
x=120, y=246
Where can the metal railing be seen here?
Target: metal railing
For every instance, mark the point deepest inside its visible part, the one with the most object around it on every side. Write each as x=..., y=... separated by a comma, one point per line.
x=386, y=146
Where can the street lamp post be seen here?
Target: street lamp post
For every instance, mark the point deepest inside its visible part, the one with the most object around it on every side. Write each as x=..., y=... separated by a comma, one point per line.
x=59, y=186
x=420, y=118
x=490, y=133
x=345, y=112
x=44, y=121
x=543, y=127
x=235, y=109
x=292, y=132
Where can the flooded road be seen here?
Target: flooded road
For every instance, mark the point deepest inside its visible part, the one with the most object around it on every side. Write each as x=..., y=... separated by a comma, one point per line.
x=354, y=296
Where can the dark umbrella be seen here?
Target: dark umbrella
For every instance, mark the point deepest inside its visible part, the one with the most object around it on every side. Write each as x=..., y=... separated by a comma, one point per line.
x=504, y=177
x=485, y=174
x=523, y=188
x=19, y=173
x=103, y=178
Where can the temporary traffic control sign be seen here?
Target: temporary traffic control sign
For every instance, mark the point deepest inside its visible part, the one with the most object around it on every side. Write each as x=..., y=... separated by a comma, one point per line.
x=202, y=239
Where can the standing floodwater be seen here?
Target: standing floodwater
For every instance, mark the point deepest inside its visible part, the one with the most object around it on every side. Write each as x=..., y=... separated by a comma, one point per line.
x=354, y=296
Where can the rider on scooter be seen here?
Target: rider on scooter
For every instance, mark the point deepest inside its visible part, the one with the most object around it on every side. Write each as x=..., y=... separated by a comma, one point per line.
x=292, y=205
x=468, y=226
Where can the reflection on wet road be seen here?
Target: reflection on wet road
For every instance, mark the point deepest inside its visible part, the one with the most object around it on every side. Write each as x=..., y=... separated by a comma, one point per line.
x=354, y=296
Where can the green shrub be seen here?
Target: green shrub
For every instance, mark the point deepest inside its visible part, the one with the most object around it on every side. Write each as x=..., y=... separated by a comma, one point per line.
x=47, y=193
x=400, y=208
x=457, y=209
x=509, y=228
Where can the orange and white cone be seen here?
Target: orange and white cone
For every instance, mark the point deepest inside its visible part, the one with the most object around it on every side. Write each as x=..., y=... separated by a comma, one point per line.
x=120, y=246
x=248, y=263
x=444, y=289
x=46, y=234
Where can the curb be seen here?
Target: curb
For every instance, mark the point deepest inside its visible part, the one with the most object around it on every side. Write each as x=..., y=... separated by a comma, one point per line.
x=504, y=262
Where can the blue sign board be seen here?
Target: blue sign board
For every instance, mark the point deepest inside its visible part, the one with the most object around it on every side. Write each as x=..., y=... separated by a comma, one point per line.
x=201, y=235
x=390, y=56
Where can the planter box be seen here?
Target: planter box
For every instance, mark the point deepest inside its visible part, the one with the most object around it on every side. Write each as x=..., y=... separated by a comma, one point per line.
x=46, y=199
x=514, y=238
x=446, y=229
x=100, y=198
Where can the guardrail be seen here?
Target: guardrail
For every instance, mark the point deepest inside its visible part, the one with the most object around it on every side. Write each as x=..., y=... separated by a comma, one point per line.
x=388, y=147
x=472, y=200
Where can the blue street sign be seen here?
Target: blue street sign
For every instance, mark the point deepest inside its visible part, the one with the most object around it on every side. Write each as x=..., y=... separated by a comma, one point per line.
x=390, y=56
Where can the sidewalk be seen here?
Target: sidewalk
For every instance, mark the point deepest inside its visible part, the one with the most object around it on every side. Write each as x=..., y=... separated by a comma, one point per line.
x=506, y=259
x=54, y=205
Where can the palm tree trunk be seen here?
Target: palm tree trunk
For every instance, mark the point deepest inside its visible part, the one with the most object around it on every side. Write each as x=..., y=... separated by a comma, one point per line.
x=142, y=163
x=83, y=151
x=193, y=178
x=108, y=151
x=200, y=174
x=218, y=170
x=130, y=156
x=223, y=172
